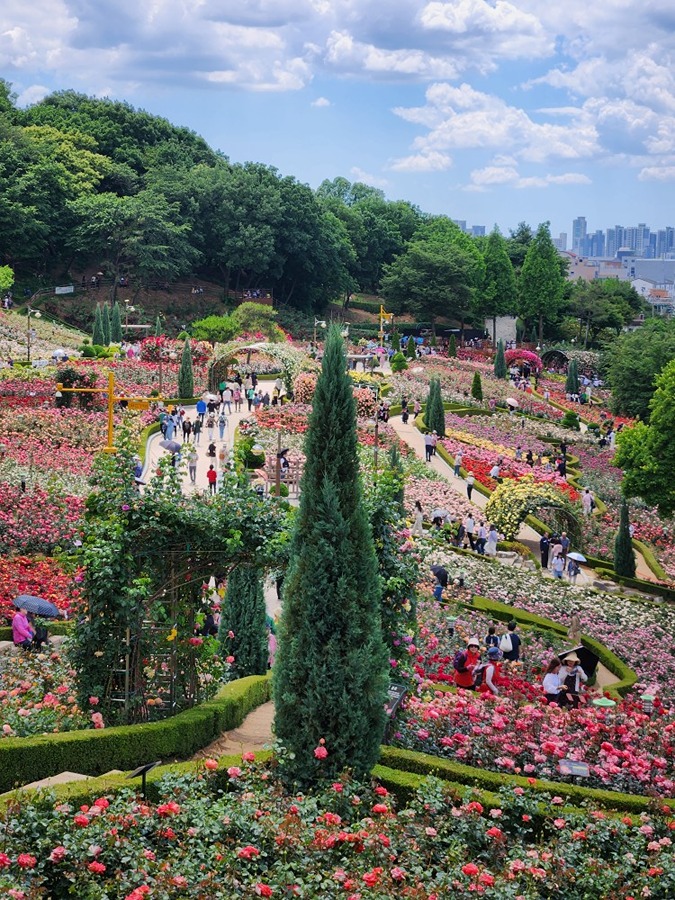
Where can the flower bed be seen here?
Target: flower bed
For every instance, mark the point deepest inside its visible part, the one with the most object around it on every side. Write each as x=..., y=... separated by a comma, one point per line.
x=37, y=520
x=348, y=840
x=33, y=575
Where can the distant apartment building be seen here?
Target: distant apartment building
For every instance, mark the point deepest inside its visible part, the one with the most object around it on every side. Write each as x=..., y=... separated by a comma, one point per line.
x=579, y=236
x=560, y=243
x=619, y=241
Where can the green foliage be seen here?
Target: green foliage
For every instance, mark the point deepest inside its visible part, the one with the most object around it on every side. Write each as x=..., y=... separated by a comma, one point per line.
x=252, y=317
x=398, y=362
x=126, y=747
x=624, y=557
x=395, y=336
x=477, y=387
x=98, y=335
x=572, y=380
x=331, y=667
x=159, y=331
x=6, y=278
x=603, y=305
x=434, y=412
x=186, y=381
x=105, y=321
x=452, y=346
x=647, y=452
x=498, y=295
x=500, y=361
x=243, y=615
x=214, y=329
x=541, y=282
x=410, y=348
x=511, y=502
x=115, y=324
x=632, y=363
x=570, y=420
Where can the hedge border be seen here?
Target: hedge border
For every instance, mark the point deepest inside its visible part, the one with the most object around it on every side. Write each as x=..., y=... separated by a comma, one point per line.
x=423, y=764
x=93, y=752
x=625, y=676
x=60, y=628
x=652, y=562
x=638, y=584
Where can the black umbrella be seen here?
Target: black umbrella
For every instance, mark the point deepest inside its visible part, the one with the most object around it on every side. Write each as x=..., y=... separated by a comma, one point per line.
x=171, y=446
x=36, y=605
x=441, y=575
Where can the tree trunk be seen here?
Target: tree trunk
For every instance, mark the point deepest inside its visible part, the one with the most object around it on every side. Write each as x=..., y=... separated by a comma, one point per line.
x=541, y=329
x=494, y=332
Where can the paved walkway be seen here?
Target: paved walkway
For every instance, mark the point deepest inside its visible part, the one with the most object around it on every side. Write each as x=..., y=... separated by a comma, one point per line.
x=254, y=733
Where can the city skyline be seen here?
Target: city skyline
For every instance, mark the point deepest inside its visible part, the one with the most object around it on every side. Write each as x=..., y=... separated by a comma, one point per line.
x=488, y=111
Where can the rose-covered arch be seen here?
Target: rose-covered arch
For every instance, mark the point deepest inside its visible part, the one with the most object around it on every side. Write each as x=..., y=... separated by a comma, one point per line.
x=514, y=500
x=290, y=360
x=520, y=356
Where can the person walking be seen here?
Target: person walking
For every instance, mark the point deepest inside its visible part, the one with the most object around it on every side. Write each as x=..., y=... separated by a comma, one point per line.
x=187, y=429
x=227, y=399
x=197, y=430
x=558, y=566
x=459, y=456
x=587, y=502
x=210, y=426
x=544, y=546
x=491, y=542
x=469, y=526
x=470, y=479
x=192, y=465
x=510, y=643
x=556, y=550
x=236, y=398
x=573, y=569
x=428, y=447
x=222, y=425
x=201, y=409
x=434, y=441
x=212, y=477
x=481, y=540
x=418, y=526
x=250, y=395
x=565, y=544
x=417, y=408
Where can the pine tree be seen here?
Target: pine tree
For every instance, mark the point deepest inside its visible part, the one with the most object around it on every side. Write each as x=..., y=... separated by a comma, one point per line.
x=477, y=387
x=98, y=337
x=398, y=362
x=158, y=327
x=500, y=361
x=116, y=325
x=244, y=616
x=397, y=474
x=452, y=346
x=186, y=381
x=410, y=348
x=105, y=321
x=434, y=413
x=395, y=340
x=572, y=381
x=330, y=676
x=624, y=558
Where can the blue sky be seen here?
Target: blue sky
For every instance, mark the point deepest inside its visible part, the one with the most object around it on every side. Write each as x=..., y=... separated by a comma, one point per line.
x=492, y=112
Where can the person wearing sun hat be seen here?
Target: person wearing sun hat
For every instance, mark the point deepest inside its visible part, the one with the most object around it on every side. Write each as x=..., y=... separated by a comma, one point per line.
x=486, y=675
x=465, y=662
x=572, y=678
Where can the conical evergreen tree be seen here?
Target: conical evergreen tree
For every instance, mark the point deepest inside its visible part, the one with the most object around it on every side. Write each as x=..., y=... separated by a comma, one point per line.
x=398, y=362
x=500, y=361
x=624, y=557
x=452, y=346
x=395, y=340
x=186, y=380
x=116, y=324
x=410, y=349
x=397, y=474
x=105, y=321
x=330, y=677
x=434, y=413
x=158, y=327
x=244, y=616
x=98, y=337
x=572, y=380
x=477, y=387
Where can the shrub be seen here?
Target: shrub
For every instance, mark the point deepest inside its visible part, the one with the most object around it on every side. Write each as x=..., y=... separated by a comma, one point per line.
x=570, y=420
x=398, y=362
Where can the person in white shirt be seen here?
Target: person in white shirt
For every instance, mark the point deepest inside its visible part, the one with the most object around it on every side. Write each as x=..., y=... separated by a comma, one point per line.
x=492, y=541
x=552, y=685
x=482, y=538
x=469, y=526
x=494, y=471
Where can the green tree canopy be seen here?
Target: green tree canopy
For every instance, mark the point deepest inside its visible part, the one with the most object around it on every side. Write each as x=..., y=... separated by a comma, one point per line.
x=632, y=363
x=499, y=295
x=603, y=305
x=541, y=283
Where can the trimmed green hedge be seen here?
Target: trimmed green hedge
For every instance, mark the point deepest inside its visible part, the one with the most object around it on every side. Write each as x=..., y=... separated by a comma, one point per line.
x=625, y=676
x=93, y=752
x=422, y=764
x=638, y=584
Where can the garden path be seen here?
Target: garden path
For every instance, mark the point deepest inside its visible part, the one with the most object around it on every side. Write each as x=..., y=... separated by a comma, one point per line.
x=254, y=733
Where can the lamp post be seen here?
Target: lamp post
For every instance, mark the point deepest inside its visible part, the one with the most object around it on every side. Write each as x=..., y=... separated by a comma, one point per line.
x=36, y=314
x=322, y=324
x=127, y=309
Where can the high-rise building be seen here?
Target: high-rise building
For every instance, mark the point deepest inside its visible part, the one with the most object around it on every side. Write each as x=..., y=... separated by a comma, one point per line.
x=478, y=230
x=560, y=243
x=578, y=235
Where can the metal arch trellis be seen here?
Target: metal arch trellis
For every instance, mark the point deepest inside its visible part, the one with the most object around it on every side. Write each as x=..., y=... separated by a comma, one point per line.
x=188, y=570
x=572, y=524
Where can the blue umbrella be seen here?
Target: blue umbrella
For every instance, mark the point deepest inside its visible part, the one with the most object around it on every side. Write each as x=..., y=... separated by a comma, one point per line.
x=36, y=605
x=171, y=446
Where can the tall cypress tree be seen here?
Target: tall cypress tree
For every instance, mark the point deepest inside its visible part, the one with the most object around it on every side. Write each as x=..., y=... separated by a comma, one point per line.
x=116, y=324
x=330, y=676
x=572, y=380
x=410, y=349
x=105, y=321
x=158, y=327
x=98, y=337
x=624, y=558
x=500, y=361
x=477, y=387
x=244, y=616
x=452, y=346
x=434, y=413
x=186, y=380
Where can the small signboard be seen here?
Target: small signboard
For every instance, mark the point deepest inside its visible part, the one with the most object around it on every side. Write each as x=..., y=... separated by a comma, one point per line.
x=138, y=404
x=574, y=767
x=395, y=696
x=65, y=289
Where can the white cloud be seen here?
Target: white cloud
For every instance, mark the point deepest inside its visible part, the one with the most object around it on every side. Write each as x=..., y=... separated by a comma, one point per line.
x=32, y=94
x=366, y=178
x=320, y=101
x=431, y=161
x=509, y=176
x=657, y=173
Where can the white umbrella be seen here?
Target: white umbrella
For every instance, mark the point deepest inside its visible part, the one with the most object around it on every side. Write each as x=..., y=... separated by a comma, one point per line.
x=579, y=557
x=511, y=401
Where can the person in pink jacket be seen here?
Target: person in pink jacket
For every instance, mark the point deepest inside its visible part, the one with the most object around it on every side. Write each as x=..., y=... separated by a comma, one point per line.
x=22, y=633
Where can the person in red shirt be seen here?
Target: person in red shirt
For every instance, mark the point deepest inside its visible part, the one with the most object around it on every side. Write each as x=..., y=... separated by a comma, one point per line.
x=491, y=673
x=469, y=659
x=212, y=476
